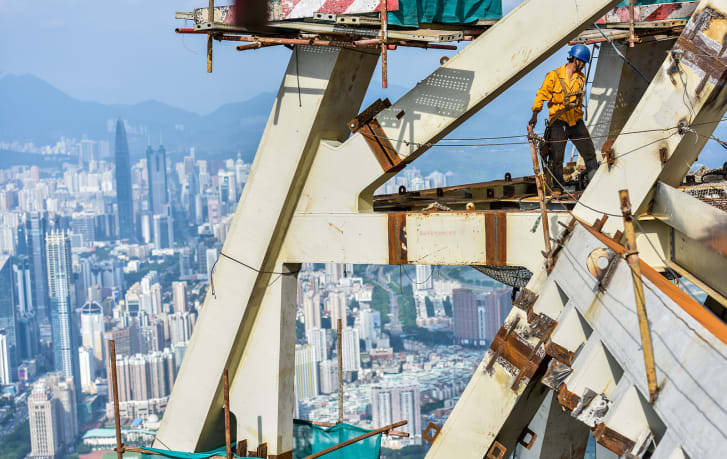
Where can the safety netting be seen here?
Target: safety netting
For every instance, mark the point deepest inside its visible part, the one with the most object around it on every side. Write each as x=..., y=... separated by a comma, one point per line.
x=514, y=276
x=413, y=12
x=309, y=438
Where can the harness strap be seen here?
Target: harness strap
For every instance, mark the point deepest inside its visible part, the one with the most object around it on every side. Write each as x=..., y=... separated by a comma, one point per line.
x=567, y=103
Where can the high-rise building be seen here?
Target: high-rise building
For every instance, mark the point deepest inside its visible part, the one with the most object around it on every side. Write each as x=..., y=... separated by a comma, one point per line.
x=317, y=338
x=328, y=376
x=337, y=306
x=210, y=259
x=145, y=382
x=8, y=319
x=92, y=331
x=22, y=271
x=367, y=324
x=424, y=278
x=334, y=272
x=64, y=331
x=156, y=168
x=464, y=304
x=306, y=372
x=181, y=325
x=6, y=373
x=311, y=311
x=87, y=368
x=179, y=296
x=351, y=349
x=395, y=402
x=497, y=306
x=35, y=230
x=53, y=416
x=163, y=224
x=123, y=184
x=43, y=416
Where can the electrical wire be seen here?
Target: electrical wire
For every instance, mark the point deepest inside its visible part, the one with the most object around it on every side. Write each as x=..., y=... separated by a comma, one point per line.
x=621, y=54
x=242, y=263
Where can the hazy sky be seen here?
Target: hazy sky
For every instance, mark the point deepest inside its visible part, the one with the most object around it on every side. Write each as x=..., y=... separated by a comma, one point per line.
x=126, y=51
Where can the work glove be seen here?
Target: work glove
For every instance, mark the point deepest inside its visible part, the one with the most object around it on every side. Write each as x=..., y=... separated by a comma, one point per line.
x=534, y=119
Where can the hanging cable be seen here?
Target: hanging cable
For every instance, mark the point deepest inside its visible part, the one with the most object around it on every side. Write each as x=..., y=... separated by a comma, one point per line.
x=613, y=45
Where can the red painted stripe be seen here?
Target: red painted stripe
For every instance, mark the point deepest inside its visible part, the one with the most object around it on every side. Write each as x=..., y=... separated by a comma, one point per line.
x=335, y=6
x=286, y=6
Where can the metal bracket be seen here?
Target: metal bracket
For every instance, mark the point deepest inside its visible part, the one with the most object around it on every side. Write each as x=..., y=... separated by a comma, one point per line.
x=431, y=438
x=368, y=114
x=523, y=440
x=497, y=451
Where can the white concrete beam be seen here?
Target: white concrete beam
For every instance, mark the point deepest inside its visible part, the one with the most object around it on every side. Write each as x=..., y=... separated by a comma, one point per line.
x=297, y=123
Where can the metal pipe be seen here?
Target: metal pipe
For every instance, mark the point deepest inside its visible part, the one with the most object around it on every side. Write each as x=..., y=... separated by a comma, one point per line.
x=211, y=20
x=256, y=45
x=339, y=348
x=632, y=38
x=384, y=39
x=226, y=392
x=632, y=257
x=356, y=439
x=393, y=433
x=115, y=390
x=187, y=30
x=541, y=199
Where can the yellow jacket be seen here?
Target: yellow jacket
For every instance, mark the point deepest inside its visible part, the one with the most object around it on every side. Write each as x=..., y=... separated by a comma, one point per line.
x=552, y=91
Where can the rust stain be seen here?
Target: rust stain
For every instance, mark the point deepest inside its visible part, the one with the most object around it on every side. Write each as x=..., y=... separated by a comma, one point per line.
x=525, y=299
x=566, y=398
x=559, y=353
x=489, y=238
x=335, y=227
x=397, y=238
x=612, y=440
x=501, y=236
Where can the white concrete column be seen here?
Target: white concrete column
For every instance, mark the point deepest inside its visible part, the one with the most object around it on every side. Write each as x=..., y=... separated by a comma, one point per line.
x=261, y=393
x=322, y=89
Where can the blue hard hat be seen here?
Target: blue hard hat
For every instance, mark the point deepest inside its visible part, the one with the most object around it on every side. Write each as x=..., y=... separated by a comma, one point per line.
x=580, y=52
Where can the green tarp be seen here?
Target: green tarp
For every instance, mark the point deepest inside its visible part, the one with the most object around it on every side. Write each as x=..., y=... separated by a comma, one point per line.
x=221, y=451
x=309, y=439
x=647, y=2
x=413, y=12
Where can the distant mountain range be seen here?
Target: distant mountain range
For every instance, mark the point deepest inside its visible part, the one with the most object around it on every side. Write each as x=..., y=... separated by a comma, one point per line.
x=34, y=111
x=31, y=110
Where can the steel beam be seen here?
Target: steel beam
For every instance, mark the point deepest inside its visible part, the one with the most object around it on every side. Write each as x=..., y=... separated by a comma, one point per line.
x=427, y=238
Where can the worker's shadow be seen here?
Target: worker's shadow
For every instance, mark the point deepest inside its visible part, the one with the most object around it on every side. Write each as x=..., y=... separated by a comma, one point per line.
x=446, y=93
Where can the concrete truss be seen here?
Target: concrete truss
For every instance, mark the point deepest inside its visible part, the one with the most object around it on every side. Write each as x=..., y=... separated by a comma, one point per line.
x=309, y=198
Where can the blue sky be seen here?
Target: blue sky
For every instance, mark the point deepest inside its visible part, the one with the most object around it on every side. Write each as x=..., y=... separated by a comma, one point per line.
x=126, y=51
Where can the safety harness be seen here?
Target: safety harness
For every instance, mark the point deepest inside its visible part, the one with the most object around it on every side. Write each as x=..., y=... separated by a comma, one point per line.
x=568, y=104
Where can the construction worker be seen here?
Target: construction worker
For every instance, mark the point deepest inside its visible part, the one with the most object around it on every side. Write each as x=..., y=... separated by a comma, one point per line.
x=563, y=89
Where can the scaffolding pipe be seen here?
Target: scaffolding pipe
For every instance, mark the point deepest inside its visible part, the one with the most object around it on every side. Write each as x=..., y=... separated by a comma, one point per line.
x=211, y=20
x=632, y=257
x=632, y=38
x=115, y=390
x=339, y=348
x=356, y=439
x=226, y=393
x=541, y=198
x=384, y=39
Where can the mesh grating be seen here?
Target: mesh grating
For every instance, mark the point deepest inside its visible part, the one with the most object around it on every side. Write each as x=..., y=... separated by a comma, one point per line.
x=713, y=193
x=514, y=276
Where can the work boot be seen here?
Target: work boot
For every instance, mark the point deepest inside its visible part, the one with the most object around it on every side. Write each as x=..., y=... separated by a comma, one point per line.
x=591, y=168
x=584, y=178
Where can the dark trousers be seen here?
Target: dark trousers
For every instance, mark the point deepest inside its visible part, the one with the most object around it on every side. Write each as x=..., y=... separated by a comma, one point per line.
x=560, y=133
